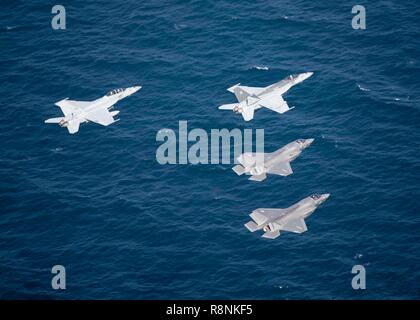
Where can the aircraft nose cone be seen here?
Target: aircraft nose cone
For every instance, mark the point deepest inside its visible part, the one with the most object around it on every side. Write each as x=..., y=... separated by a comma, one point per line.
x=304, y=76
x=306, y=143
x=320, y=198
x=309, y=142
x=326, y=195
x=307, y=75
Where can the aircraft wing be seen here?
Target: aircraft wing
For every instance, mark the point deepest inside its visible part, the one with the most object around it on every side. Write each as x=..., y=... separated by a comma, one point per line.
x=252, y=90
x=68, y=107
x=274, y=101
x=101, y=116
x=281, y=169
x=243, y=92
x=246, y=159
x=261, y=215
x=296, y=226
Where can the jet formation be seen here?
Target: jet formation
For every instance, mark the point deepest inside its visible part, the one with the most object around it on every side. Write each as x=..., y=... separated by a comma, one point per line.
x=98, y=111
x=258, y=165
x=271, y=97
x=291, y=219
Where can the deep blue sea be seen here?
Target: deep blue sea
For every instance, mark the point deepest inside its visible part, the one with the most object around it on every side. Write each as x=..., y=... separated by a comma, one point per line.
x=126, y=227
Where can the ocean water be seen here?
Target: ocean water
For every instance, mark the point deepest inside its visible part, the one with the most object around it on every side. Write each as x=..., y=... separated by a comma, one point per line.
x=126, y=227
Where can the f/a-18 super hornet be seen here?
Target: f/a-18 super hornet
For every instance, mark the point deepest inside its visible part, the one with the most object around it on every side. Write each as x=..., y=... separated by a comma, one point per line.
x=271, y=97
x=278, y=162
x=77, y=112
x=292, y=219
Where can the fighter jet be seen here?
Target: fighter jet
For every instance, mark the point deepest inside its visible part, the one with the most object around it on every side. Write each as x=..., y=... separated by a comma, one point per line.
x=278, y=162
x=292, y=219
x=271, y=97
x=77, y=112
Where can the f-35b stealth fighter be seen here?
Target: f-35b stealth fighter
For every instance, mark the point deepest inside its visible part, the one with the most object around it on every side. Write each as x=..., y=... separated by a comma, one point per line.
x=77, y=112
x=258, y=165
x=292, y=219
x=271, y=97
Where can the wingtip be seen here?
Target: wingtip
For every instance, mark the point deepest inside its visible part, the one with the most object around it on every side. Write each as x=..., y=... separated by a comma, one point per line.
x=230, y=89
x=62, y=100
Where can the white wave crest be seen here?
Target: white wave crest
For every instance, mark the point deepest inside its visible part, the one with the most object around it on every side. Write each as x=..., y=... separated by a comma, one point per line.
x=361, y=88
x=261, y=68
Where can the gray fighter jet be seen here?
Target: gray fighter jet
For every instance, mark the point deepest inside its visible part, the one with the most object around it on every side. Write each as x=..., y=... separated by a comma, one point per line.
x=271, y=97
x=292, y=219
x=259, y=164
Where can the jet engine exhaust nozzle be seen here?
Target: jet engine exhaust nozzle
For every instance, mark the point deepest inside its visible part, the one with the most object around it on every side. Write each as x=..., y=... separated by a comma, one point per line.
x=257, y=170
x=63, y=123
x=238, y=110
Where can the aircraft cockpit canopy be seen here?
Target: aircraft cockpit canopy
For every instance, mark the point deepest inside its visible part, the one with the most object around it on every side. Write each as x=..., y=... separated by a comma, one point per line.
x=114, y=92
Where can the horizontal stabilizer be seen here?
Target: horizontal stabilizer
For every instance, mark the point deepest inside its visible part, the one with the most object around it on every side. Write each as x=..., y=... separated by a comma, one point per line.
x=239, y=170
x=271, y=234
x=251, y=226
x=54, y=120
x=229, y=106
x=258, y=178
